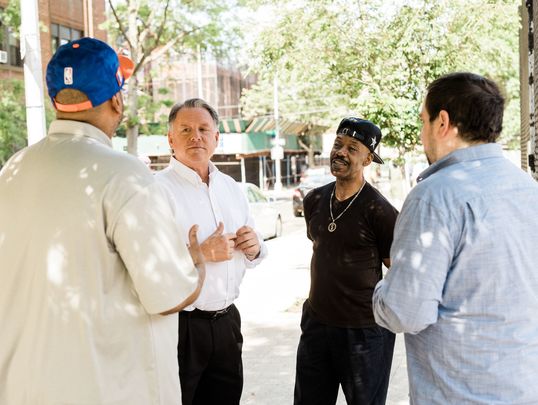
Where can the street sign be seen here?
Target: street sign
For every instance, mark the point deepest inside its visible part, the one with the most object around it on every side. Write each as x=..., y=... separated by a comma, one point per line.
x=277, y=152
x=281, y=141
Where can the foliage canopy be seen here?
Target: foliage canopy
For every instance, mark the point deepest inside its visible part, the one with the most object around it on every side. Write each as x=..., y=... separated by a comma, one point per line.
x=12, y=119
x=375, y=58
x=154, y=31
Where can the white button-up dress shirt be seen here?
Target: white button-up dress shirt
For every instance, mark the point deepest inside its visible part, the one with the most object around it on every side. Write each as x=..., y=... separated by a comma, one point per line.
x=206, y=206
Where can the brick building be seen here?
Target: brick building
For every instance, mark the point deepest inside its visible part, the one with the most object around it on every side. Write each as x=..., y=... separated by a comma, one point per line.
x=245, y=148
x=61, y=21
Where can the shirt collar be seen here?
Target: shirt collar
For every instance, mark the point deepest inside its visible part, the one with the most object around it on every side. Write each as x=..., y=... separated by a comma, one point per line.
x=78, y=129
x=482, y=151
x=189, y=174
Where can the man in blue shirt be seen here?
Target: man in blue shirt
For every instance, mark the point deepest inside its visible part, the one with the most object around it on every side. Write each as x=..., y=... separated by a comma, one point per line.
x=463, y=284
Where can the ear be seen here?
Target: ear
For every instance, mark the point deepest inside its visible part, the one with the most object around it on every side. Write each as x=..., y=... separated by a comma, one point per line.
x=217, y=136
x=170, y=142
x=369, y=159
x=443, y=123
x=116, y=103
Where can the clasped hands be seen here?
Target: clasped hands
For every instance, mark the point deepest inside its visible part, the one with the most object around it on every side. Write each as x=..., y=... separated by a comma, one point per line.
x=220, y=246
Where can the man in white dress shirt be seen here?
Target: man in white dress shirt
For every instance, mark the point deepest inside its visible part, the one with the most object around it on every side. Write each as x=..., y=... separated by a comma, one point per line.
x=210, y=341
x=85, y=273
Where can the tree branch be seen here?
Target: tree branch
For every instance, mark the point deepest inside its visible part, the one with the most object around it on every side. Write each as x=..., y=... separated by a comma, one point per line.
x=161, y=28
x=165, y=48
x=146, y=33
x=120, y=25
x=303, y=145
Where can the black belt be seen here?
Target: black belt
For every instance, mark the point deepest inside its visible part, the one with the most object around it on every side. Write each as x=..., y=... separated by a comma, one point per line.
x=198, y=313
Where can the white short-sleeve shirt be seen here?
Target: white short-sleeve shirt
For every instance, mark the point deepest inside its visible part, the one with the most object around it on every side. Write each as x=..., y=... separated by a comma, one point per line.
x=85, y=268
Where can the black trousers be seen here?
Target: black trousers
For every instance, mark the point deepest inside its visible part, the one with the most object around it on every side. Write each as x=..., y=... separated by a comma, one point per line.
x=209, y=356
x=358, y=359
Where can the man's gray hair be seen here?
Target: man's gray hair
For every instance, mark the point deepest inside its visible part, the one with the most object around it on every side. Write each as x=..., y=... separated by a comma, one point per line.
x=192, y=103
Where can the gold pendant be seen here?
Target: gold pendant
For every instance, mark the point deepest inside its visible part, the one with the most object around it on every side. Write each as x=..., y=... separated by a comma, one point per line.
x=331, y=227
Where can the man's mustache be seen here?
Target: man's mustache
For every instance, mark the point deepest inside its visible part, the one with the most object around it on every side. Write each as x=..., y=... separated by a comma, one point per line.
x=339, y=159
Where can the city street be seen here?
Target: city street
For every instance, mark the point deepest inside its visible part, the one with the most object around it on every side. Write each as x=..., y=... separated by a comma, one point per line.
x=270, y=305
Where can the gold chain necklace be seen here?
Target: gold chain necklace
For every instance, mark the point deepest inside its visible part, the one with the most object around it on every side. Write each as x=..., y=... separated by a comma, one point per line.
x=332, y=225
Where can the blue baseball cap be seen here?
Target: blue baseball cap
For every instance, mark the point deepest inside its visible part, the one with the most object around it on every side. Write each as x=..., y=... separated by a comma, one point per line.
x=90, y=66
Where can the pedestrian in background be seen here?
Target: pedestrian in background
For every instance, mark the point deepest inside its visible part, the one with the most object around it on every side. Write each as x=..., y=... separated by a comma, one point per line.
x=86, y=268
x=210, y=340
x=463, y=285
x=350, y=224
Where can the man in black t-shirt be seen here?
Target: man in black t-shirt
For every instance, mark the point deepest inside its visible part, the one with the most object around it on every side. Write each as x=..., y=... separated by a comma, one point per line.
x=351, y=226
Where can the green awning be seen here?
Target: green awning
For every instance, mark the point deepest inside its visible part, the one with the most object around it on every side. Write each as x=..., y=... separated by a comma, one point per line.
x=233, y=125
x=288, y=127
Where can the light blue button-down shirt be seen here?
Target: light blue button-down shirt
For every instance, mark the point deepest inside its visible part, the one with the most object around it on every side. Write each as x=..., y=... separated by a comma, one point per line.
x=464, y=282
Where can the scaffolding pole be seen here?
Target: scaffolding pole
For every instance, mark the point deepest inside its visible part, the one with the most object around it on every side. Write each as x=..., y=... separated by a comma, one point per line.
x=533, y=64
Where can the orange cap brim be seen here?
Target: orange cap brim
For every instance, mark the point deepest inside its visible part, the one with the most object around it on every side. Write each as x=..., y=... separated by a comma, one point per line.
x=126, y=65
x=86, y=105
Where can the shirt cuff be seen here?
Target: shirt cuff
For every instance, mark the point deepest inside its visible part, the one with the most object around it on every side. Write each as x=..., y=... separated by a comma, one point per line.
x=261, y=256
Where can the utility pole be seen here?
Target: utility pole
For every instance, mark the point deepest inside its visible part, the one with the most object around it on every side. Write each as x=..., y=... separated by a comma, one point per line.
x=277, y=151
x=88, y=18
x=33, y=76
x=199, y=71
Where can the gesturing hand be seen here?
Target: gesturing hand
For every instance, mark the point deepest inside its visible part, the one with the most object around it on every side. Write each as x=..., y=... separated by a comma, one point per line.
x=195, y=251
x=196, y=255
x=219, y=246
x=247, y=242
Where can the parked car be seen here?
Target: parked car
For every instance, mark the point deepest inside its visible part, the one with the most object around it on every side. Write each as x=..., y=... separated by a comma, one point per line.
x=264, y=210
x=312, y=178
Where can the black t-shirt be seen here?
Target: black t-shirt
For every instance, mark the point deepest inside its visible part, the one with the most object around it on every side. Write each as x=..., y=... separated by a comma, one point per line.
x=346, y=263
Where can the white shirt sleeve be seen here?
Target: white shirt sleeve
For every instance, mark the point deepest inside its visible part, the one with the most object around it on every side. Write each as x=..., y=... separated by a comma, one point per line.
x=153, y=250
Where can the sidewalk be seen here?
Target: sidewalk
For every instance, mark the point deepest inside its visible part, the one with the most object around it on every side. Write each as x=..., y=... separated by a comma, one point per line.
x=270, y=304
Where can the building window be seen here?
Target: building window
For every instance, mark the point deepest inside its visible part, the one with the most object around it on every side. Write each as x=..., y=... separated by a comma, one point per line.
x=10, y=47
x=61, y=35
x=14, y=51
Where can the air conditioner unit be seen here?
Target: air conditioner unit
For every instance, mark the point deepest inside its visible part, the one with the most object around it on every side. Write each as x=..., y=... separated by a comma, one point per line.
x=3, y=57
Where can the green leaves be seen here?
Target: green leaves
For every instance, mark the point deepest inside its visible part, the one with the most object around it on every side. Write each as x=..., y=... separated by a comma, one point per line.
x=12, y=118
x=375, y=59
x=10, y=16
x=158, y=31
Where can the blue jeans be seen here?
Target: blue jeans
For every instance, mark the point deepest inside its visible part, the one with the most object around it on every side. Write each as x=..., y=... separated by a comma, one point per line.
x=357, y=358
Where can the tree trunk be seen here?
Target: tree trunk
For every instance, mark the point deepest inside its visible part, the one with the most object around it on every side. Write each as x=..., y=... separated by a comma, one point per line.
x=132, y=119
x=311, y=159
x=406, y=176
x=132, y=114
x=310, y=152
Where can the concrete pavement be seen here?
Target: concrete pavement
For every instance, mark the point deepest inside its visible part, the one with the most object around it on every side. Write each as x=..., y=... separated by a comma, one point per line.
x=270, y=305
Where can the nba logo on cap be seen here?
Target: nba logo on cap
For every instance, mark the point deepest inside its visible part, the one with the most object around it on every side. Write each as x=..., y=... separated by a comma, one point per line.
x=68, y=75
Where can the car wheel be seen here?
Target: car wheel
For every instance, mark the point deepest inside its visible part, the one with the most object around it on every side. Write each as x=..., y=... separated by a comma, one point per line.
x=278, y=227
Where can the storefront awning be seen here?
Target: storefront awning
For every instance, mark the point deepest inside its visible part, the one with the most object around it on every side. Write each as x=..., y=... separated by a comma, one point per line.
x=268, y=124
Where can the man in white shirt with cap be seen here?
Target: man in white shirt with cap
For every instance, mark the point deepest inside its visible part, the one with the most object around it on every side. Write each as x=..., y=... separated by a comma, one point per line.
x=86, y=274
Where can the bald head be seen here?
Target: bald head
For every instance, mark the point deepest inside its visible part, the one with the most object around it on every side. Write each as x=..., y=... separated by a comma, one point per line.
x=106, y=116
x=71, y=96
